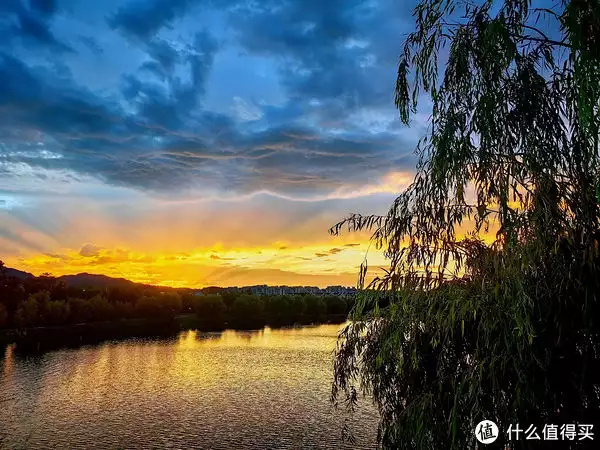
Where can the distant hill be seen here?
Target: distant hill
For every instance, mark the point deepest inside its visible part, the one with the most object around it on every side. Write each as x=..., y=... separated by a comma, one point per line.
x=88, y=280
x=17, y=273
x=83, y=280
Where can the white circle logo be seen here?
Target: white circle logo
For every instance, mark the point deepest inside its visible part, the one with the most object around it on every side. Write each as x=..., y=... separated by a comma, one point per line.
x=486, y=432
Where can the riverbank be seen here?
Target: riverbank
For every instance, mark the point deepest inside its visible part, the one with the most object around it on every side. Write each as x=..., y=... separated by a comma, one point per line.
x=43, y=338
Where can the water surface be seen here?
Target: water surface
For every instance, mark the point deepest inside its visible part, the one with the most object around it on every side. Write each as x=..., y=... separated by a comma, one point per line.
x=266, y=389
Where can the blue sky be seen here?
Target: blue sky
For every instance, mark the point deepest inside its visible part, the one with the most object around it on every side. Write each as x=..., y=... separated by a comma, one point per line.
x=131, y=125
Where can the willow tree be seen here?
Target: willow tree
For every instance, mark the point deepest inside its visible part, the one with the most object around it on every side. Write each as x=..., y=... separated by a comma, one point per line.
x=492, y=293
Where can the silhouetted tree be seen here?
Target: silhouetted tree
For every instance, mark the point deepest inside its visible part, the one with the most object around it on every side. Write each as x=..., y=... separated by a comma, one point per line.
x=57, y=313
x=315, y=307
x=296, y=305
x=210, y=309
x=30, y=312
x=3, y=316
x=335, y=305
x=472, y=331
x=277, y=310
x=247, y=311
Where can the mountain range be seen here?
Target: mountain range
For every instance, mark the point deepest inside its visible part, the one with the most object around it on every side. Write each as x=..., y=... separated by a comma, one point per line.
x=81, y=280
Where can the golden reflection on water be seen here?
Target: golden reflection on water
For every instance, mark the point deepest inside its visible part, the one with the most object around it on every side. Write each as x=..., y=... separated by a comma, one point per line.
x=255, y=389
x=7, y=360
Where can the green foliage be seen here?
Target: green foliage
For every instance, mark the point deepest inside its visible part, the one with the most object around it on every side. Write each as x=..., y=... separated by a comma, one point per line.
x=246, y=306
x=79, y=310
x=505, y=331
x=57, y=313
x=277, y=308
x=335, y=305
x=210, y=307
x=29, y=313
x=316, y=307
x=247, y=311
x=46, y=301
x=171, y=303
x=296, y=305
x=165, y=305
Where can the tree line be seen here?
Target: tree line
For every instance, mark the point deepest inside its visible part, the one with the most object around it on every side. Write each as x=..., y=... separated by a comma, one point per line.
x=48, y=301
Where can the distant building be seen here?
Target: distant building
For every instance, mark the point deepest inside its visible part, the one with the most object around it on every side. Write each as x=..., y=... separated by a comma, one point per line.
x=264, y=290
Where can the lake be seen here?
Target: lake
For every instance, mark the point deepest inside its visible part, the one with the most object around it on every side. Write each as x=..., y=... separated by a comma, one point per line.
x=265, y=389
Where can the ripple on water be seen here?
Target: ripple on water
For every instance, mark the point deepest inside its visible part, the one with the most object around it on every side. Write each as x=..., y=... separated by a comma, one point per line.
x=266, y=389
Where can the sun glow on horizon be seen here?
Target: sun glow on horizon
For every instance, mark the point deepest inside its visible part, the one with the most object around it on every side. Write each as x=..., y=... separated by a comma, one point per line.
x=281, y=263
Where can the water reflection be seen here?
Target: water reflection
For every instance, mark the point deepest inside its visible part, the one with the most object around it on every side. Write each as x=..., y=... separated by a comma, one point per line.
x=265, y=389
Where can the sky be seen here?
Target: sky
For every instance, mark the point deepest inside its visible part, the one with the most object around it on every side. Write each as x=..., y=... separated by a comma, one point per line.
x=199, y=142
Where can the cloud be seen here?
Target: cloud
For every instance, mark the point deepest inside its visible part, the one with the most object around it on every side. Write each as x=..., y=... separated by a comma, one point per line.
x=167, y=146
x=330, y=52
x=89, y=250
x=220, y=258
x=143, y=19
x=246, y=111
x=92, y=44
x=20, y=240
x=158, y=127
x=30, y=26
x=331, y=251
x=45, y=8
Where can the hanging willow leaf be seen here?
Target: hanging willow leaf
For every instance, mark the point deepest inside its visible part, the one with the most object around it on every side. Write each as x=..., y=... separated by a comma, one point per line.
x=501, y=325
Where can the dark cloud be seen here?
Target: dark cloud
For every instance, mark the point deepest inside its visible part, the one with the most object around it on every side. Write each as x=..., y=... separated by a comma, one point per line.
x=155, y=132
x=166, y=100
x=44, y=7
x=221, y=258
x=142, y=19
x=163, y=54
x=328, y=50
x=92, y=44
x=31, y=25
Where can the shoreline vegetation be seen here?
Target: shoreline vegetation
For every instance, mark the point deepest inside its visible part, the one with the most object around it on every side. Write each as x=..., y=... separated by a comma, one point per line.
x=43, y=312
x=74, y=335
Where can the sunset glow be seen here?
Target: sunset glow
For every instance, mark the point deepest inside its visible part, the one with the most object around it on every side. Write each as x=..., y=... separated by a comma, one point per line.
x=186, y=144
